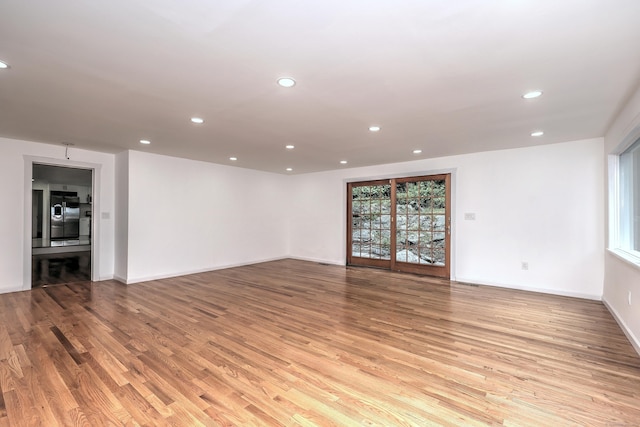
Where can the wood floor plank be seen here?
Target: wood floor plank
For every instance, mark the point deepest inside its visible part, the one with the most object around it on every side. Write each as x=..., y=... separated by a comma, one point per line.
x=296, y=343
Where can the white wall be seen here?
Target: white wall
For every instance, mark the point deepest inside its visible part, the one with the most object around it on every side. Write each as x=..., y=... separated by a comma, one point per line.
x=543, y=205
x=121, y=216
x=622, y=276
x=16, y=222
x=186, y=216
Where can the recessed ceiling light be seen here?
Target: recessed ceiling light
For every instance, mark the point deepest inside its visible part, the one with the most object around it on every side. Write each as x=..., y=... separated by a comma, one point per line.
x=532, y=94
x=233, y=159
x=145, y=141
x=374, y=128
x=3, y=65
x=537, y=133
x=343, y=162
x=290, y=147
x=286, y=82
x=417, y=151
x=197, y=120
x=289, y=169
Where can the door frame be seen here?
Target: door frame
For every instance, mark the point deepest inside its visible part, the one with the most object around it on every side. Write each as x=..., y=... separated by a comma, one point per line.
x=346, y=227
x=28, y=203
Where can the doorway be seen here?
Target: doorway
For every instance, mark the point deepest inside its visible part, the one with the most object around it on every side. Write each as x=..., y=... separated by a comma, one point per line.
x=401, y=224
x=62, y=210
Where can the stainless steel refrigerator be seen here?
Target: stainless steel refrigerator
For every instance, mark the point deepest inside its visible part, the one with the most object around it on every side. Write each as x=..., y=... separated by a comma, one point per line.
x=65, y=217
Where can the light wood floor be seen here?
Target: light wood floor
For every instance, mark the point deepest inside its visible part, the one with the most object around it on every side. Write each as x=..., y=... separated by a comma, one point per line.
x=299, y=343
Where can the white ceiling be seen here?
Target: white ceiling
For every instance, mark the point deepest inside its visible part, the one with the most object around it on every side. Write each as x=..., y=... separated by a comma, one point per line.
x=443, y=76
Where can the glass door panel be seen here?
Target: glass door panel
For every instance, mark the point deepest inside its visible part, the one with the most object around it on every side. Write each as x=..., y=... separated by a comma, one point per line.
x=370, y=224
x=402, y=224
x=422, y=234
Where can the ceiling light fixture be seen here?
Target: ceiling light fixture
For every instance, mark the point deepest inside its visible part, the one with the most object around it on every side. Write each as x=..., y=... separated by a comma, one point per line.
x=537, y=133
x=66, y=150
x=145, y=141
x=197, y=120
x=286, y=82
x=233, y=159
x=3, y=65
x=289, y=169
x=289, y=147
x=532, y=94
x=417, y=151
x=343, y=162
x=374, y=128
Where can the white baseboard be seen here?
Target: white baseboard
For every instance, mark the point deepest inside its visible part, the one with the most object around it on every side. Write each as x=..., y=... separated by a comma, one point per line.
x=13, y=289
x=203, y=270
x=119, y=279
x=635, y=342
x=533, y=289
x=320, y=260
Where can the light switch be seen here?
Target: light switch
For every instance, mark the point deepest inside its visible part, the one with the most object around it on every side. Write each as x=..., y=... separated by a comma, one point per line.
x=105, y=215
x=470, y=216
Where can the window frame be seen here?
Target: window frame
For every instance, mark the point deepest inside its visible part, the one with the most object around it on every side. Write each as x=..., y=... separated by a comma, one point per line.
x=615, y=227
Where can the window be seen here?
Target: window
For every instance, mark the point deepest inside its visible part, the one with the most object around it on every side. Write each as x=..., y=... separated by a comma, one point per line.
x=629, y=200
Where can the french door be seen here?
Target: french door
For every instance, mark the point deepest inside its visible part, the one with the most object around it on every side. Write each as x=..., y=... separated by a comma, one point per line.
x=402, y=224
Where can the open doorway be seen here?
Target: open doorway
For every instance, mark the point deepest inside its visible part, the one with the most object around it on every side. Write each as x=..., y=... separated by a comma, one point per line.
x=61, y=234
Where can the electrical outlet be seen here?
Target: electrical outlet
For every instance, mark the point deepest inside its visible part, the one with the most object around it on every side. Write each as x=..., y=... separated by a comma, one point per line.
x=525, y=265
x=629, y=297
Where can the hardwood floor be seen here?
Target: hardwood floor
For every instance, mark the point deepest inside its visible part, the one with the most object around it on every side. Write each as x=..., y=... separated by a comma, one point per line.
x=54, y=269
x=298, y=343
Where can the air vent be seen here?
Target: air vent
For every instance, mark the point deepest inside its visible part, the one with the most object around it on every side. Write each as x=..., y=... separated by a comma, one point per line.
x=473, y=285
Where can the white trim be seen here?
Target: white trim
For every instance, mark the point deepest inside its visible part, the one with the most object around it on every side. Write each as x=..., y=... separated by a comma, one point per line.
x=594, y=297
x=635, y=342
x=14, y=289
x=452, y=171
x=95, y=219
x=28, y=226
x=630, y=137
x=614, y=197
x=318, y=260
x=203, y=270
x=630, y=258
x=613, y=162
x=120, y=279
